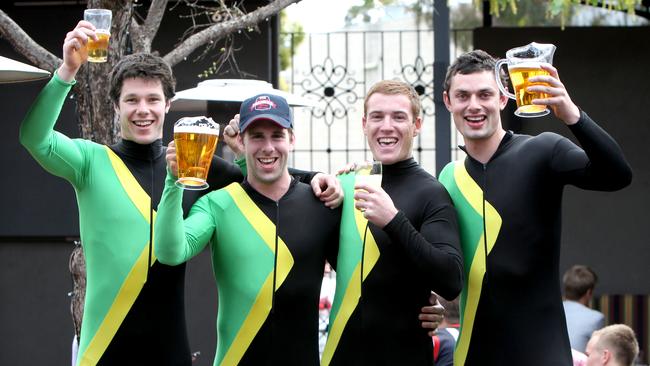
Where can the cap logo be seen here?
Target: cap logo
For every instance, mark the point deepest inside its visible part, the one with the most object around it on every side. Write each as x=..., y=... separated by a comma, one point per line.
x=263, y=103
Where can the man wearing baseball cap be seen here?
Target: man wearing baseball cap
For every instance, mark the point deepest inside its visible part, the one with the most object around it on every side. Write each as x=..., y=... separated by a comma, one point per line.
x=270, y=238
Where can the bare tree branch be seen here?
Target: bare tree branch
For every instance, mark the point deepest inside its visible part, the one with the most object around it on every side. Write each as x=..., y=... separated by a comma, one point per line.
x=218, y=31
x=25, y=45
x=155, y=16
x=138, y=38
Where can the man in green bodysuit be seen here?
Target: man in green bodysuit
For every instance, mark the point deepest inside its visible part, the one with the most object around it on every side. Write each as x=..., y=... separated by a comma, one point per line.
x=269, y=237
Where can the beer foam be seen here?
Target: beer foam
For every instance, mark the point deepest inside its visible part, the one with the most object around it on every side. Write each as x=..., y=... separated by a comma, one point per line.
x=196, y=129
x=525, y=65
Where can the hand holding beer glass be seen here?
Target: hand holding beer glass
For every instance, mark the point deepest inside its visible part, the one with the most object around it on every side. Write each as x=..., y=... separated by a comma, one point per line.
x=101, y=19
x=195, y=139
x=523, y=63
x=368, y=173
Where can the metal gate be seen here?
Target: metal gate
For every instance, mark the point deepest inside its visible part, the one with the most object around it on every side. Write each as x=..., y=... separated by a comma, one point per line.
x=335, y=70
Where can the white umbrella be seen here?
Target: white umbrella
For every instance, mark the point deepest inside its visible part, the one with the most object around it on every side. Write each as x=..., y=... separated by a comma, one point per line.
x=230, y=90
x=12, y=71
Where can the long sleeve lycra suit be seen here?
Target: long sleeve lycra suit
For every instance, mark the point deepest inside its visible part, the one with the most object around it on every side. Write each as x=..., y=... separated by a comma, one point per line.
x=255, y=243
x=509, y=213
x=416, y=252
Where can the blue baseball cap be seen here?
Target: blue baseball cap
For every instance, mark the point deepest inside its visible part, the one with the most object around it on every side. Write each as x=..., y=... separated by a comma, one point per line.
x=265, y=107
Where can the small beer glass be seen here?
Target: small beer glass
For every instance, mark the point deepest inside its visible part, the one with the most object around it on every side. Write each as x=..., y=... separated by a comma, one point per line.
x=101, y=19
x=368, y=172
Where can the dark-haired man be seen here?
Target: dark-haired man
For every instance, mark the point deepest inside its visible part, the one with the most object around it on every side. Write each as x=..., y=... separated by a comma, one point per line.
x=134, y=308
x=269, y=238
x=508, y=195
x=579, y=283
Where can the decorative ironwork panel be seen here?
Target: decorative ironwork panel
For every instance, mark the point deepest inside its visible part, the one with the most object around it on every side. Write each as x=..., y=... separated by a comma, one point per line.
x=335, y=70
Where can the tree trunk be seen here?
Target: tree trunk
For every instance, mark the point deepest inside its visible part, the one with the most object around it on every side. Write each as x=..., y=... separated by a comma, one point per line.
x=77, y=267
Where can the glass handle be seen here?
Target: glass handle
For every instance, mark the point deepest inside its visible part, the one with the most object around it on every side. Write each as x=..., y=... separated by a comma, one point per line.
x=497, y=75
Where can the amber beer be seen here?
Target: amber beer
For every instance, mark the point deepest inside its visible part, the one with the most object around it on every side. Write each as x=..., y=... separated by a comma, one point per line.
x=98, y=50
x=101, y=19
x=519, y=75
x=195, y=147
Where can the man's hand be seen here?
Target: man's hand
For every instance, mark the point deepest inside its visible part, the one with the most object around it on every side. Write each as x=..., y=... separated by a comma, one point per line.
x=231, y=137
x=375, y=203
x=327, y=189
x=346, y=169
x=170, y=156
x=558, y=97
x=75, y=52
x=431, y=316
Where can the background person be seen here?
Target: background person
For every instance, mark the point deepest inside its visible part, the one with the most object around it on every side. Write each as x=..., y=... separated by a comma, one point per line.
x=508, y=195
x=445, y=337
x=581, y=321
x=614, y=345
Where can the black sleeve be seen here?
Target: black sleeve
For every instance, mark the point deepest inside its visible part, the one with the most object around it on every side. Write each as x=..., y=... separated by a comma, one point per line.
x=598, y=165
x=435, y=249
x=303, y=175
x=333, y=243
x=222, y=173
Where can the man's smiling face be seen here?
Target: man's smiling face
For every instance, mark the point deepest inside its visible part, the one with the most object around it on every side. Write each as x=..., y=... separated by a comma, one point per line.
x=389, y=126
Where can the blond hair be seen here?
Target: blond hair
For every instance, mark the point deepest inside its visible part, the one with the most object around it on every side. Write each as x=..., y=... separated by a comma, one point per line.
x=395, y=87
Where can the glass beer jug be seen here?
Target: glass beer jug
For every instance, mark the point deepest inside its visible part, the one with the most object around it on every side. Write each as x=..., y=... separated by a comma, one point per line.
x=196, y=139
x=524, y=62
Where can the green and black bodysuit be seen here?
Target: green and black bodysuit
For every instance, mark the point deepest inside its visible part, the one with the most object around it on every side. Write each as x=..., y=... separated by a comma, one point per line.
x=268, y=259
x=375, y=321
x=509, y=213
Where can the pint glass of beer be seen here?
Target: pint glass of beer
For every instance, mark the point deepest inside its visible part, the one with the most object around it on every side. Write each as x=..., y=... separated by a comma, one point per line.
x=101, y=19
x=523, y=63
x=195, y=139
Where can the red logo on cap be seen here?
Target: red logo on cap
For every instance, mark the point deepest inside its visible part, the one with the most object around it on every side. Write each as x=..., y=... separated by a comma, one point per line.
x=263, y=103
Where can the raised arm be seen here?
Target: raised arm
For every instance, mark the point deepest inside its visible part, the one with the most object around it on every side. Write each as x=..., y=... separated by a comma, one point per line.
x=600, y=163
x=176, y=240
x=54, y=151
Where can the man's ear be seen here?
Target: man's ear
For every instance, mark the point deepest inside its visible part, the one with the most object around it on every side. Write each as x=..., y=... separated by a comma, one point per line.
x=418, y=126
x=445, y=98
x=503, y=101
x=363, y=125
x=606, y=356
x=292, y=141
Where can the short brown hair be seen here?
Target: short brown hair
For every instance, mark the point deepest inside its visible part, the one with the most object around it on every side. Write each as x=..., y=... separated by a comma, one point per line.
x=620, y=340
x=577, y=281
x=145, y=66
x=395, y=87
x=469, y=63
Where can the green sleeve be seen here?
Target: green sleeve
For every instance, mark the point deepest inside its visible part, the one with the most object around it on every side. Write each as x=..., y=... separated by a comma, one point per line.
x=54, y=151
x=241, y=163
x=176, y=241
